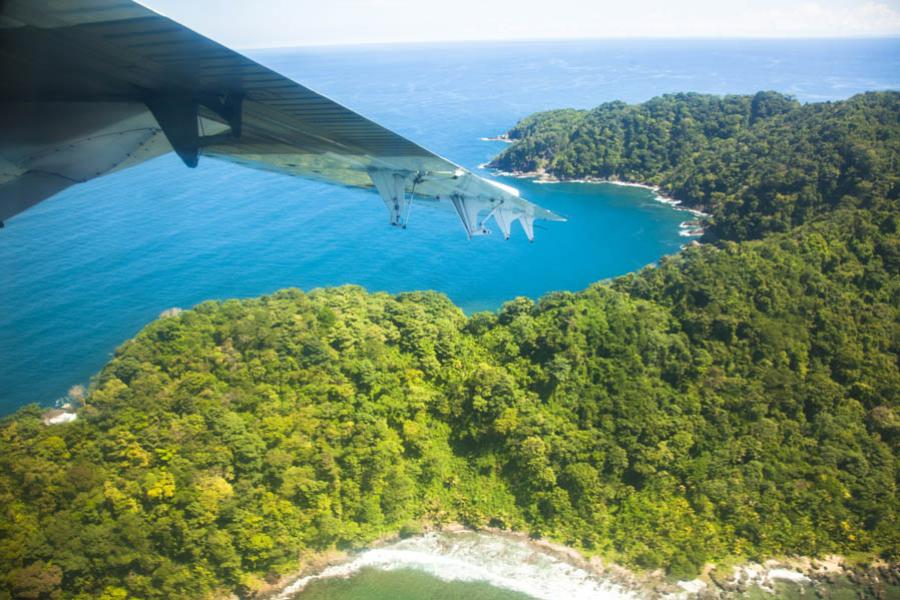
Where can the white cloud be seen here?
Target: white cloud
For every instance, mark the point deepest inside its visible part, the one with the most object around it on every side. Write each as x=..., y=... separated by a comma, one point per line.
x=814, y=19
x=269, y=23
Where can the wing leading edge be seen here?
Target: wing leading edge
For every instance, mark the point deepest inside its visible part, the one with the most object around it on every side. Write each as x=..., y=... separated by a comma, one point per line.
x=94, y=86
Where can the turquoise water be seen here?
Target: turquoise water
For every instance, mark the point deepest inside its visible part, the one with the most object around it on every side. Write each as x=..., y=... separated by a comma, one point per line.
x=84, y=271
x=403, y=584
x=438, y=566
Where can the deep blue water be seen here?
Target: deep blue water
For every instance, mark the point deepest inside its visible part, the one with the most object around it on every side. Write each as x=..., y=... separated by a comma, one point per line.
x=86, y=270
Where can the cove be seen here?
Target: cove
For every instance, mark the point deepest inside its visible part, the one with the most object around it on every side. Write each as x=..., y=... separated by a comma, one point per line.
x=159, y=237
x=460, y=564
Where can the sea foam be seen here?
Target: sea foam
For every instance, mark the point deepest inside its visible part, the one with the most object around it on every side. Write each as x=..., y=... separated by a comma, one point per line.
x=499, y=560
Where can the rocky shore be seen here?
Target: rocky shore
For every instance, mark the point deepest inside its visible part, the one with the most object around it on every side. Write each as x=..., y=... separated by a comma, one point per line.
x=800, y=577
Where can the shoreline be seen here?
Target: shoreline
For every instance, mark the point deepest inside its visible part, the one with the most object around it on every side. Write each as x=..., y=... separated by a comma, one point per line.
x=503, y=137
x=727, y=580
x=340, y=564
x=693, y=228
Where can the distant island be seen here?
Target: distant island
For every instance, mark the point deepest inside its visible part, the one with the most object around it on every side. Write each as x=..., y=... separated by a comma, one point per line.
x=737, y=401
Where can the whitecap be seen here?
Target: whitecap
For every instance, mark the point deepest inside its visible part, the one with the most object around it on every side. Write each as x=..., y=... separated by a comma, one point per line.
x=498, y=560
x=691, y=232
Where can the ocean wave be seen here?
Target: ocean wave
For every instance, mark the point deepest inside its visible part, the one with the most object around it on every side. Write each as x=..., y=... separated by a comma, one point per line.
x=690, y=229
x=502, y=561
x=629, y=184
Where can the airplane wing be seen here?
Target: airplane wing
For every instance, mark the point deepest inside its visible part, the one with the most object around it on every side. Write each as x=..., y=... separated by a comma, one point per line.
x=94, y=86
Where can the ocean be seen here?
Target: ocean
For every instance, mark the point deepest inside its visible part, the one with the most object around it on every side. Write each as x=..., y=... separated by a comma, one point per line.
x=83, y=272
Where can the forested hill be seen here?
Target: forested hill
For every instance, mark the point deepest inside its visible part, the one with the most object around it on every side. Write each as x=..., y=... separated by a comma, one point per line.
x=739, y=400
x=759, y=164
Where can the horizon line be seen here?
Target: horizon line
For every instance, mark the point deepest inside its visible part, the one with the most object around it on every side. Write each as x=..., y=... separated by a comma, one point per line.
x=755, y=38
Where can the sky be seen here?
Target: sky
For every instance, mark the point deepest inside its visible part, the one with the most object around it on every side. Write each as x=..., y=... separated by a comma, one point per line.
x=282, y=23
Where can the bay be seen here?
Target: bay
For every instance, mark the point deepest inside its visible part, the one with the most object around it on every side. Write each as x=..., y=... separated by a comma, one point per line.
x=460, y=564
x=81, y=273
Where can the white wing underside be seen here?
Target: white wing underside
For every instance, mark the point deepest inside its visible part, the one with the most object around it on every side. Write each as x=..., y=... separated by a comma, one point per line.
x=95, y=86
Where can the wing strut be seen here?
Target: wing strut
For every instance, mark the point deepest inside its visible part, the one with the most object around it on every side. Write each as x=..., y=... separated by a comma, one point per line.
x=391, y=186
x=468, y=208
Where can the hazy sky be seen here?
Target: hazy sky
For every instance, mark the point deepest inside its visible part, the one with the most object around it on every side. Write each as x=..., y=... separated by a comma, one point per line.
x=272, y=23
